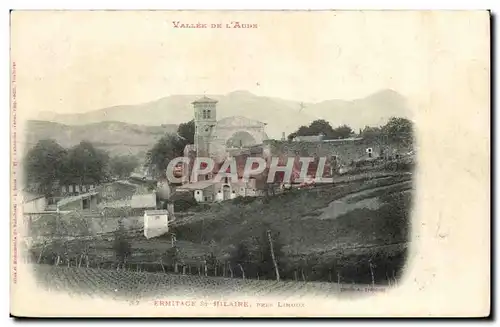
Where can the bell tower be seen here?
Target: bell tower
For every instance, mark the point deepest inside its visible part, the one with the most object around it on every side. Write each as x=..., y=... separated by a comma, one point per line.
x=205, y=119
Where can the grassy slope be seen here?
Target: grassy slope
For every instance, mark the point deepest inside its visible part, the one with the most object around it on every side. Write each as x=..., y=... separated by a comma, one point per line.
x=229, y=223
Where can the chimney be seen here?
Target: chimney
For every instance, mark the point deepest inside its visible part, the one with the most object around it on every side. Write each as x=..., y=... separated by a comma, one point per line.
x=283, y=138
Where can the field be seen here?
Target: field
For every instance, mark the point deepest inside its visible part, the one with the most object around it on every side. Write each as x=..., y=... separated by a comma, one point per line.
x=130, y=285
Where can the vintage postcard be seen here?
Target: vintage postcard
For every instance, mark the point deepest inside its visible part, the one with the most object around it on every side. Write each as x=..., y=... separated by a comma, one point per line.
x=250, y=163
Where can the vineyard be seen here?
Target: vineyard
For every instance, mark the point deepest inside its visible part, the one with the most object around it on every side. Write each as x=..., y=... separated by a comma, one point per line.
x=127, y=285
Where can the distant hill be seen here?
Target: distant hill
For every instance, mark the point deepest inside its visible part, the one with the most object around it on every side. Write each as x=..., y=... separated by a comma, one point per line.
x=114, y=137
x=280, y=115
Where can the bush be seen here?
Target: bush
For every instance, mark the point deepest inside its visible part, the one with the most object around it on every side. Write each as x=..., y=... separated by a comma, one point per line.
x=121, y=246
x=182, y=205
x=244, y=199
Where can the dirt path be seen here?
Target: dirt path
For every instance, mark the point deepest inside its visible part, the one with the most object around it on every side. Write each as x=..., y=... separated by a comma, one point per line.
x=347, y=203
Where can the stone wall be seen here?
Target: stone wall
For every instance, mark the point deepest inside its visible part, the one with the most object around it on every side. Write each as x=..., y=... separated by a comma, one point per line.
x=345, y=151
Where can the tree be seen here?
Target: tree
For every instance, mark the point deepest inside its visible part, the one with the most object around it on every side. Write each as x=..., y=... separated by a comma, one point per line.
x=317, y=127
x=167, y=148
x=292, y=136
x=44, y=165
x=240, y=257
x=122, y=247
x=186, y=130
x=399, y=130
x=341, y=132
x=86, y=164
x=123, y=166
x=321, y=126
x=371, y=133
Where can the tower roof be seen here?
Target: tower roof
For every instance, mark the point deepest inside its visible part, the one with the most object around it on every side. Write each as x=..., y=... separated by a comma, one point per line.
x=205, y=99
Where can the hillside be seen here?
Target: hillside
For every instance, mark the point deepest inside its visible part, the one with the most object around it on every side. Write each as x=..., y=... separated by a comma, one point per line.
x=309, y=221
x=115, y=137
x=279, y=114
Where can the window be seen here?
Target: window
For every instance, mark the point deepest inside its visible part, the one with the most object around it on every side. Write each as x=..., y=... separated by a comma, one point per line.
x=206, y=199
x=204, y=114
x=208, y=113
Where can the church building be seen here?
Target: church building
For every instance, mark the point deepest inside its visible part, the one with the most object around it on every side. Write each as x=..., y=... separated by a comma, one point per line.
x=219, y=139
x=216, y=138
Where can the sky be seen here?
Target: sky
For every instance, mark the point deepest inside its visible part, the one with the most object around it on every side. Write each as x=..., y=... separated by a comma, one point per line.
x=69, y=62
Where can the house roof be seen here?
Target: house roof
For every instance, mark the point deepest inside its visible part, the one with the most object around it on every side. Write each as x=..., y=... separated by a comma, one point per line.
x=156, y=212
x=201, y=185
x=70, y=199
x=309, y=138
x=349, y=139
x=205, y=99
x=125, y=182
x=28, y=197
x=239, y=121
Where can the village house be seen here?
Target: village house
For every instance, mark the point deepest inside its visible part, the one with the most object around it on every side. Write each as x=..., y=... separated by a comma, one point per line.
x=87, y=202
x=117, y=190
x=155, y=223
x=33, y=203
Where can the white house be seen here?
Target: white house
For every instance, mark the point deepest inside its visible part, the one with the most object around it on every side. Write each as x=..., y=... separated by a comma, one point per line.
x=155, y=223
x=210, y=191
x=33, y=203
x=202, y=191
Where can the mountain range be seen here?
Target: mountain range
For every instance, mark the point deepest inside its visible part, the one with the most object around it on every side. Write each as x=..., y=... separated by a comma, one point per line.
x=138, y=125
x=280, y=115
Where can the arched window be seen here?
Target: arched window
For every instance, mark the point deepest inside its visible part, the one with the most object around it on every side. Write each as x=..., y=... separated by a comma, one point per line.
x=208, y=113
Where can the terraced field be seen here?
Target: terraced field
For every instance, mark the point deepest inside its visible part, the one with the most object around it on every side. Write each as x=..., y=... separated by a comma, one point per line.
x=127, y=285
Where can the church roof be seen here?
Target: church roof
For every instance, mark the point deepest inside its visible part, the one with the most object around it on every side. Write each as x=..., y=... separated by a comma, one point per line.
x=239, y=121
x=205, y=99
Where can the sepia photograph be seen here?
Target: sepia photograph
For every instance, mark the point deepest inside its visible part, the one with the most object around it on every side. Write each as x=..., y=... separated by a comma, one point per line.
x=235, y=163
